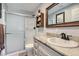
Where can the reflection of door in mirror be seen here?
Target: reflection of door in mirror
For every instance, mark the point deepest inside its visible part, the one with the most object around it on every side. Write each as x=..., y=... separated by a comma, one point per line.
x=72, y=12
x=75, y=13
x=51, y=19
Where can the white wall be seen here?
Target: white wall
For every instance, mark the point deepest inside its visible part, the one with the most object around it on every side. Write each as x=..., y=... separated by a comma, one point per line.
x=29, y=31
x=69, y=30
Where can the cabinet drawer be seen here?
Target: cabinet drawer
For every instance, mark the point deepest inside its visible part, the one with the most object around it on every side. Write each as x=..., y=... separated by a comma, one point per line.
x=35, y=52
x=42, y=52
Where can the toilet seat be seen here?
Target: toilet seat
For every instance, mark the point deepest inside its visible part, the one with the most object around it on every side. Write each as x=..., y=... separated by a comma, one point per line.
x=29, y=49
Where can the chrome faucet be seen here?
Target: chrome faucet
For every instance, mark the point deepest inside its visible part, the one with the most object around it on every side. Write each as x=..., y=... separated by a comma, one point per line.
x=64, y=36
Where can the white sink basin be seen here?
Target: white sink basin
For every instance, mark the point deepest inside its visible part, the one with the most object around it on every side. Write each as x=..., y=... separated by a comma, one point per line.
x=62, y=43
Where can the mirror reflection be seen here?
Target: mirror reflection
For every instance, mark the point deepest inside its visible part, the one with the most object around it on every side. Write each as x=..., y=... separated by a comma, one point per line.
x=63, y=12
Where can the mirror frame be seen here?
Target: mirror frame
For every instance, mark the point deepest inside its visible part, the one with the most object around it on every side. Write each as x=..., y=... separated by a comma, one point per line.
x=65, y=24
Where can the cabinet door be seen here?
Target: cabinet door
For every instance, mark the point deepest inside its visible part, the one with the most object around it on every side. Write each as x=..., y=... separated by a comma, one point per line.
x=35, y=49
x=35, y=52
x=42, y=52
x=36, y=45
x=47, y=51
x=1, y=37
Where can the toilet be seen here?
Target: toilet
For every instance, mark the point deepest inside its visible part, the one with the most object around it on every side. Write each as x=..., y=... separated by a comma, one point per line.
x=29, y=49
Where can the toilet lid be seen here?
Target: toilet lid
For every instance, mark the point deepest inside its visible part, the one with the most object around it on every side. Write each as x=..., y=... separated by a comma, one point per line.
x=28, y=45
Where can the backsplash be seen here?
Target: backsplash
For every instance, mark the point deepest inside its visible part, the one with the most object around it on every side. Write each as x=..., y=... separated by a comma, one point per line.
x=74, y=31
x=75, y=38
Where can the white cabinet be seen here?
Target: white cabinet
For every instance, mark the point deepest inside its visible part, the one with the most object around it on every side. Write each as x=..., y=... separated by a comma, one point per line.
x=41, y=49
x=35, y=49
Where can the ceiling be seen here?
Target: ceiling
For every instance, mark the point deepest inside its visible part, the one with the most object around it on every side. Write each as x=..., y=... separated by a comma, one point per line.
x=24, y=8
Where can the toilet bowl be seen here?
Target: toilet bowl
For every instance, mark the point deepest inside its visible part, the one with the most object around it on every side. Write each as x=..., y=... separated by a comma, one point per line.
x=29, y=49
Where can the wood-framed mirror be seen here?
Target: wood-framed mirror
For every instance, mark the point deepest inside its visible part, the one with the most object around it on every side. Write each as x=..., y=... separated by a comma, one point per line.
x=62, y=15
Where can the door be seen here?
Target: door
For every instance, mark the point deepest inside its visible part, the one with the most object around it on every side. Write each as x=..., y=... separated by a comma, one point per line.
x=14, y=33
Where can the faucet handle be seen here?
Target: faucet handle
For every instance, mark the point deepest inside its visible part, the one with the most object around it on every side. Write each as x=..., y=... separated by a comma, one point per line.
x=69, y=35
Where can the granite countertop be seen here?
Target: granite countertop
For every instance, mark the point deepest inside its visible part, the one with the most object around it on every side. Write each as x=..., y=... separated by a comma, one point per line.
x=62, y=50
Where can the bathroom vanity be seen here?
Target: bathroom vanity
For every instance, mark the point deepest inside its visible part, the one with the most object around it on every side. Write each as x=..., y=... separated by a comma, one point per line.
x=43, y=48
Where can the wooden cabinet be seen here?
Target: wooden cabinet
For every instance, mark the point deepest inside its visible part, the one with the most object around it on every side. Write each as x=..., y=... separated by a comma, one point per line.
x=1, y=37
x=41, y=49
x=40, y=20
